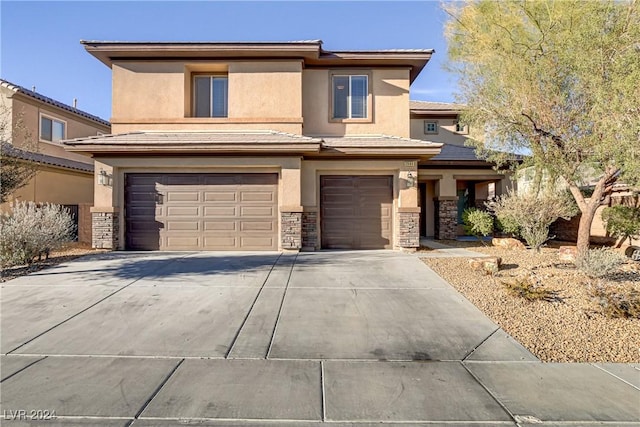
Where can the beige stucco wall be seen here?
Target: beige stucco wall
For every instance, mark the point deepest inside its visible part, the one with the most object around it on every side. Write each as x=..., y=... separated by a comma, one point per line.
x=390, y=93
x=446, y=130
x=158, y=96
x=28, y=112
x=53, y=185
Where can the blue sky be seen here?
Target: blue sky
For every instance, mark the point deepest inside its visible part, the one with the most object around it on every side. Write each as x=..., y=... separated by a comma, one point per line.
x=40, y=40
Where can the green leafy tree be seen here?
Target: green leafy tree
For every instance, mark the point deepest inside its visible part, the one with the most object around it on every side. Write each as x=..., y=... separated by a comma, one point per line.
x=558, y=81
x=622, y=222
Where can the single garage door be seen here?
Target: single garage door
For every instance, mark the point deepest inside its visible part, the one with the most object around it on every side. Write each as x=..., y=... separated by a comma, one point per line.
x=201, y=211
x=356, y=212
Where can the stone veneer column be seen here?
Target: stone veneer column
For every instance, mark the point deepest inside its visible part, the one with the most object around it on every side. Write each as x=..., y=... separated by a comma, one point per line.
x=309, y=230
x=409, y=227
x=291, y=230
x=446, y=226
x=104, y=230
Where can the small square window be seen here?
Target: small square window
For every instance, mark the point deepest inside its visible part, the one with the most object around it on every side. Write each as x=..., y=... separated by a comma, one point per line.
x=51, y=129
x=430, y=127
x=461, y=128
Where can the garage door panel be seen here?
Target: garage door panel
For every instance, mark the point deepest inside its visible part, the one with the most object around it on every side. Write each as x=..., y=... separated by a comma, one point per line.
x=183, y=196
x=220, y=179
x=182, y=242
x=220, y=243
x=257, y=196
x=202, y=211
x=182, y=211
x=220, y=196
x=183, y=226
x=144, y=179
x=221, y=225
x=257, y=243
x=356, y=212
x=257, y=211
x=257, y=226
x=221, y=211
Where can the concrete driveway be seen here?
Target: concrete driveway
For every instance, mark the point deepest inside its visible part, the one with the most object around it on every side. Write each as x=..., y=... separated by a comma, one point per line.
x=167, y=339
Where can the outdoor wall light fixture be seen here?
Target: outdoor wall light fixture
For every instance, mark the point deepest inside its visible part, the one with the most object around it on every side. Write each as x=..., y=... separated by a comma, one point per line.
x=105, y=178
x=411, y=180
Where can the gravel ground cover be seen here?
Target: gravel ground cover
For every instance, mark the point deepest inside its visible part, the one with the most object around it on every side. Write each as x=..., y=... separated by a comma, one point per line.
x=571, y=327
x=71, y=251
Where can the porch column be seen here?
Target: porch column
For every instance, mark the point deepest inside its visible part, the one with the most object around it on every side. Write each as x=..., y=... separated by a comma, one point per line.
x=105, y=215
x=446, y=208
x=408, y=210
x=291, y=210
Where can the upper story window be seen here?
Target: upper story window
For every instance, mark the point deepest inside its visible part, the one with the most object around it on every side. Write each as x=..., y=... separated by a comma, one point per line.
x=52, y=129
x=430, y=127
x=350, y=96
x=461, y=128
x=210, y=95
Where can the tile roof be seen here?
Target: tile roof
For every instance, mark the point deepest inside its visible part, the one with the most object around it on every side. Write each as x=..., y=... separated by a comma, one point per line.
x=380, y=141
x=434, y=106
x=193, y=137
x=450, y=152
x=51, y=101
x=45, y=159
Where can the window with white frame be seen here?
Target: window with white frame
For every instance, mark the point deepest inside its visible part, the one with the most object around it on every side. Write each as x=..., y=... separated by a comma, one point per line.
x=430, y=127
x=51, y=129
x=350, y=96
x=210, y=95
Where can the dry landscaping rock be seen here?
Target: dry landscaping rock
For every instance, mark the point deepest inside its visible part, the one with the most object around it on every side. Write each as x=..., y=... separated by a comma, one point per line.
x=508, y=243
x=568, y=253
x=570, y=329
x=489, y=265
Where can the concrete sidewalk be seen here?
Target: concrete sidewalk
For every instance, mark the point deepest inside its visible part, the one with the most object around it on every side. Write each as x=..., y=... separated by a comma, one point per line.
x=439, y=250
x=341, y=338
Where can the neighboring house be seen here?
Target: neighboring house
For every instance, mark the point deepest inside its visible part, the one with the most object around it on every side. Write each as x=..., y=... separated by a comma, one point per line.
x=36, y=124
x=456, y=178
x=256, y=146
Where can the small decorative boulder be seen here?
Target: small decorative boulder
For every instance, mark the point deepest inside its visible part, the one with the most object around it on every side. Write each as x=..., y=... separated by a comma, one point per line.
x=489, y=265
x=507, y=243
x=568, y=253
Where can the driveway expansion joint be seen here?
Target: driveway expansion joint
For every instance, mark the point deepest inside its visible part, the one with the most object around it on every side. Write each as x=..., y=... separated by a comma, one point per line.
x=155, y=392
x=284, y=295
x=22, y=369
x=493, y=396
x=481, y=342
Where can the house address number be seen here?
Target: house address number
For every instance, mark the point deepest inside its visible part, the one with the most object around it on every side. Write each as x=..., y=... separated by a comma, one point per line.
x=410, y=164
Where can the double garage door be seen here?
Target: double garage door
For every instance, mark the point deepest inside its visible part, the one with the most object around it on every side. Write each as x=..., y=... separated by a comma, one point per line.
x=240, y=211
x=201, y=211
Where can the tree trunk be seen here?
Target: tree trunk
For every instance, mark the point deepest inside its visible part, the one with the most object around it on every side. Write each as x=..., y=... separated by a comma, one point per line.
x=584, y=229
x=588, y=208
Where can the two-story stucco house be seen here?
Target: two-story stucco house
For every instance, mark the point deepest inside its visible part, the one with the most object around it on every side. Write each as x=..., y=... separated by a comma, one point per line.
x=260, y=146
x=35, y=125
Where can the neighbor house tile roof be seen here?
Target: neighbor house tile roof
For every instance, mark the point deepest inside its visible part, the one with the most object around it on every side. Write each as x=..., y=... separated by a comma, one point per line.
x=434, y=106
x=45, y=159
x=35, y=95
x=452, y=152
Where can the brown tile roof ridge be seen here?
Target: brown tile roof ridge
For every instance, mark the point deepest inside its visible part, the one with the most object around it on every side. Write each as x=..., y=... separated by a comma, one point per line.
x=35, y=95
x=203, y=42
x=143, y=136
x=336, y=141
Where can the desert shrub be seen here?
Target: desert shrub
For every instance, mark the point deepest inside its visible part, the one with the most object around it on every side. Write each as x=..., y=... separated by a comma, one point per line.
x=528, y=289
x=599, y=262
x=30, y=231
x=622, y=222
x=477, y=222
x=618, y=303
x=529, y=215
